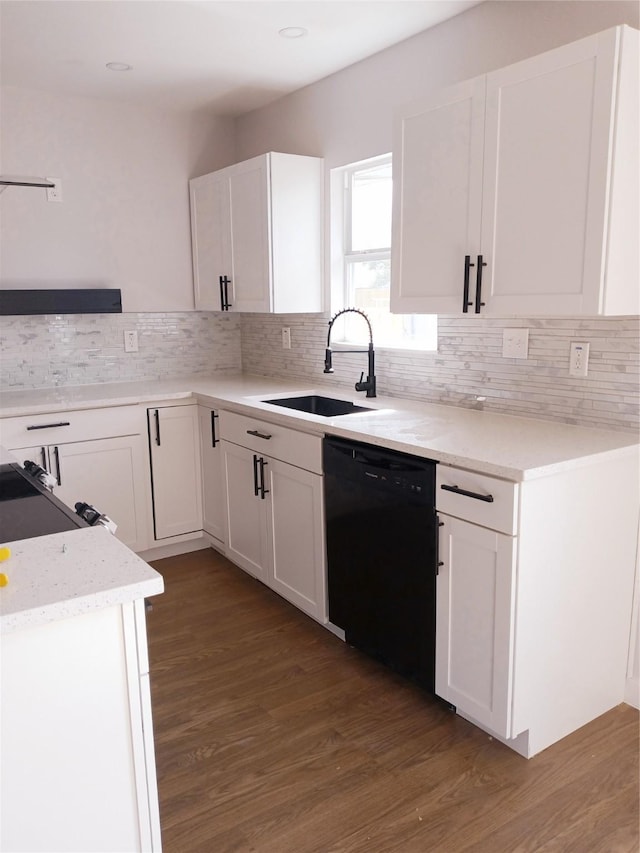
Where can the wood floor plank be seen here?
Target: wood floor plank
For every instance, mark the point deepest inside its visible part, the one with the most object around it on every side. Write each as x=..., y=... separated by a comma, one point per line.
x=272, y=736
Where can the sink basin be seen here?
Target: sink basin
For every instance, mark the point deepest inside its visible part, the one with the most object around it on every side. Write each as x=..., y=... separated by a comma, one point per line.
x=314, y=404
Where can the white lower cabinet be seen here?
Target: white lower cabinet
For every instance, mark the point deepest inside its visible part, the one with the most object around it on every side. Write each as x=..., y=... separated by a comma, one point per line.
x=246, y=511
x=97, y=456
x=275, y=516
x=78, y=766
x=474, y=629
x=296, y=536
x=174, y=441
x=212, y=492
x=534, y=597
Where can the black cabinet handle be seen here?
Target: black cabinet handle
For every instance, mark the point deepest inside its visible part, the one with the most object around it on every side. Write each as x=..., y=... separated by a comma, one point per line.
x=258, y=434
x=49, y=426
x=224, y=292
x=56, y=454
x=263, y=491
x=256, y=487
x=157, y=417
x=458, y=491
x=479, y=302
x=44, y=458
x=465, y=294
x=214, y=440
x=439, y=562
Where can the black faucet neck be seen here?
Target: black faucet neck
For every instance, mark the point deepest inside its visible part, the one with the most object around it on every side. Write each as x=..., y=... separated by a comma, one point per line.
x=370, y=384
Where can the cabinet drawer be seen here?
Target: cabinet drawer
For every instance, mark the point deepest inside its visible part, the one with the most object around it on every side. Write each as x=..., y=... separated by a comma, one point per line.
x=63, y=427
x=492, y=502
x=289, y=445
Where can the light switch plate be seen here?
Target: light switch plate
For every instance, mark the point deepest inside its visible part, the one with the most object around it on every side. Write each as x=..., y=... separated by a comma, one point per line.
x=515, y=343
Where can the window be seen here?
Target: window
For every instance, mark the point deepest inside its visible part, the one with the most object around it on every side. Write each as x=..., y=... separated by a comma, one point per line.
x=361, y=260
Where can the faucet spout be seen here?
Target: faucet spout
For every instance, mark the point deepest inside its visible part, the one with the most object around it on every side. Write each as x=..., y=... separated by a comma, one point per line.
x=368, y=385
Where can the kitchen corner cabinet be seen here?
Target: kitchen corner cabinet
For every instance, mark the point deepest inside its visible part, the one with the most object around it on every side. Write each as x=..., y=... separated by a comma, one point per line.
x=174, y=441
x=212, y=492
x=533, y=606
x=97, y=456
x=516, y=192
x=274, y=508
x=78, y=757
x=256, y=232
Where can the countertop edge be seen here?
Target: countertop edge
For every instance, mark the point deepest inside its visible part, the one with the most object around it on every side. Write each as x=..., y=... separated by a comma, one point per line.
x=242, y=393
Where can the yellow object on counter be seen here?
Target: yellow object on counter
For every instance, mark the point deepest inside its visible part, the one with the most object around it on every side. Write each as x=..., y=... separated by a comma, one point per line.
x=5, y=553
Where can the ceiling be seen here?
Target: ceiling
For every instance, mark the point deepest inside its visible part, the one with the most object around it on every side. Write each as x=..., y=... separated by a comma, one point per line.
x=225, y=57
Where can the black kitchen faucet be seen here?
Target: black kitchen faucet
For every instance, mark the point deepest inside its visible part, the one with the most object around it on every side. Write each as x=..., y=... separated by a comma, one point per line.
x=368, y=385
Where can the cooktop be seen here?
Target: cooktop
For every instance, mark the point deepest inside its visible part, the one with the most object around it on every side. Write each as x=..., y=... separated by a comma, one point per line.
x=28, y=510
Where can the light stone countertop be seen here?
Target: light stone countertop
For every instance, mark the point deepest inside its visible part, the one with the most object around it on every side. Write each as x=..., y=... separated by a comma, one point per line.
x=514, y=448
x=68, y=574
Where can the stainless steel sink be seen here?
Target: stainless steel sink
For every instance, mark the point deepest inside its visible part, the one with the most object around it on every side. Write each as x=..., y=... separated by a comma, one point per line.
x=314, y=404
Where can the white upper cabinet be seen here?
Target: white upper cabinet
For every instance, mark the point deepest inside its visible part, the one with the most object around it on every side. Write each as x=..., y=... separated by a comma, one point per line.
x=257, y=235
x=524, y=183
x=437, y=165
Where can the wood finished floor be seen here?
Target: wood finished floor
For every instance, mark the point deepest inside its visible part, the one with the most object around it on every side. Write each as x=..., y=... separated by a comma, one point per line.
x=273, y=736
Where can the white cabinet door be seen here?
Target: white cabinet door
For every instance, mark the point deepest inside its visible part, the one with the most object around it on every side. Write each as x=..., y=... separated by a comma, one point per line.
x=545, y=190
x=110, y=473
x=212, y=489
x=210, y=238
x=246, y=518
x=437, y=165
x=296, y=537
x=475, y=622
x=249, y=207
x=174, y=440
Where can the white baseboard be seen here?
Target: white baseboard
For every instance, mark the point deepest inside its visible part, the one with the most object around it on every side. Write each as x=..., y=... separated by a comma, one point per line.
x=174, y=549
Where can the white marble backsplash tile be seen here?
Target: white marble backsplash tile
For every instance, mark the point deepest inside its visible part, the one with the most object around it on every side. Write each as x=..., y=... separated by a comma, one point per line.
x=50, y=351
x=469, y=364
x=81, y=349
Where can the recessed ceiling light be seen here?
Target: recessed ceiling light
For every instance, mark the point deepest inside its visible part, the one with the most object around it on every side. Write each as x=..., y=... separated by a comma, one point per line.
x=293, y=32
x=119, y=66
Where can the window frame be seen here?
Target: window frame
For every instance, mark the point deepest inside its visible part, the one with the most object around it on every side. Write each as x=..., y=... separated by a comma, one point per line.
x=343, y=257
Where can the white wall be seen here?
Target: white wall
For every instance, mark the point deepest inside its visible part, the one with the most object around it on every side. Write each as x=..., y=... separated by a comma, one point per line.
x=348, y=116
x=124, y=219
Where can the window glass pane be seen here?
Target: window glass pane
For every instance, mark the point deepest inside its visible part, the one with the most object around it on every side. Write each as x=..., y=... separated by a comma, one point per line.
x=371, y=208
x=368, y=288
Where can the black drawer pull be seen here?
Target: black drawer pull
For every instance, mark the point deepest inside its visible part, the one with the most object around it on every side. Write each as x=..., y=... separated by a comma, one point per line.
x=258, y=434
x=458, y=491
x=49, y=426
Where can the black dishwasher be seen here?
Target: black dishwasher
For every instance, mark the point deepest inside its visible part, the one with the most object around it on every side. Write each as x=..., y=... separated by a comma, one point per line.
x=382, y=554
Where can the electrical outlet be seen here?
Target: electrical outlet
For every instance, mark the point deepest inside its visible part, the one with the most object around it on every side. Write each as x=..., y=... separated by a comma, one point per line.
x=54, y=193
x=131, y=341
x=515, y=343
x=286, y=338
x=578, y=358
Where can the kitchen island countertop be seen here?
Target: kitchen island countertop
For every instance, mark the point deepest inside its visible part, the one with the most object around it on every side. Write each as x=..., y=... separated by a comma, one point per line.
x=507, y=446
x=68, y=574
